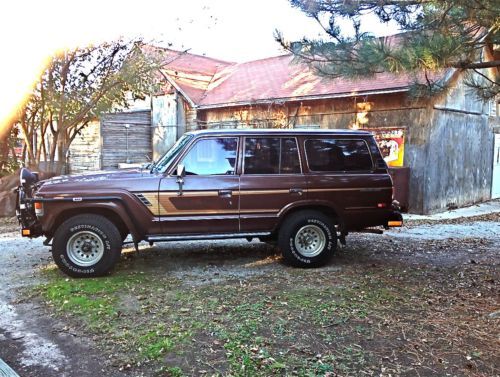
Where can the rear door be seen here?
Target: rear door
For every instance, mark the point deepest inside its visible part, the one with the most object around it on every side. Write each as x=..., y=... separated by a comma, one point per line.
x=342, y=172
x=271, y=180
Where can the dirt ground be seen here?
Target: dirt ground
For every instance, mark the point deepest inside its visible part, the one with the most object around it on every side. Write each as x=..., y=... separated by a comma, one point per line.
x=419, y=301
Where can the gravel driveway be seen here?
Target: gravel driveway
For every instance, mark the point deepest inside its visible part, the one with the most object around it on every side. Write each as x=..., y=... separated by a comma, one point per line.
x=36, y=344
x=32, y=343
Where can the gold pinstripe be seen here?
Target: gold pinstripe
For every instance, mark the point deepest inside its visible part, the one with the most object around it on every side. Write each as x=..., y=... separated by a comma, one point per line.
x=161, y=205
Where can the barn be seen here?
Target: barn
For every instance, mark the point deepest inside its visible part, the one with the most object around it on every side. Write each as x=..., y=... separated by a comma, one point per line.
x=444, y=150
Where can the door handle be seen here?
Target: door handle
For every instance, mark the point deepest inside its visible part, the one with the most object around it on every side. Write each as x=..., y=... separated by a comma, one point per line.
x=296, y=191
x=225, y=193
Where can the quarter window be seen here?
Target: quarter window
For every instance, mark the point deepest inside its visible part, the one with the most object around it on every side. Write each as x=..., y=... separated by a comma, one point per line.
x=212, y=157
x=338, y=155
x=271, y=156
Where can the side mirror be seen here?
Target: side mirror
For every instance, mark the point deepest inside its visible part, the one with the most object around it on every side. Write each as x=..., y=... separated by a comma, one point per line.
x=181, y=171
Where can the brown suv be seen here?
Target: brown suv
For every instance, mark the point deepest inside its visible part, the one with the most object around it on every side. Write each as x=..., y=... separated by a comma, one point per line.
x=300, y=188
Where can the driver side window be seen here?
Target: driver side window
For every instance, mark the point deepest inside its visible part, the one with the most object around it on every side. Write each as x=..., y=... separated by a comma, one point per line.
x=215, y=156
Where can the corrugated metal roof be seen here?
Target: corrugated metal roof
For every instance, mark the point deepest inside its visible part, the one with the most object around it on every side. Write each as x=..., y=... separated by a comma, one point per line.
x=191, y=73
x=215, y=83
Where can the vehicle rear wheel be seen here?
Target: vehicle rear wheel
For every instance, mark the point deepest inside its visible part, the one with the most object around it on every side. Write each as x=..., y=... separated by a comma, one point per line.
x=86, y=246
x=307, y=239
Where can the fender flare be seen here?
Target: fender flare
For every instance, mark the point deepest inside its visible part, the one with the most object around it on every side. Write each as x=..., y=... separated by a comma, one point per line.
x=306, y=205
x=114, y=204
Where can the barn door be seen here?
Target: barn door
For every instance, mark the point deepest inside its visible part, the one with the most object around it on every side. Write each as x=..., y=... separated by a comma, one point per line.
x=495, y=186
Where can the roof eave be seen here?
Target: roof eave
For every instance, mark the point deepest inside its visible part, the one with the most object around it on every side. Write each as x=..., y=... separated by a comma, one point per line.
x=179, y=89
x=302, y=98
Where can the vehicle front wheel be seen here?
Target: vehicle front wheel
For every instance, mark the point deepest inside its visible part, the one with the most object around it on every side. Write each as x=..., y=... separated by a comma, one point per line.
x=307, y=239
x=86, y=246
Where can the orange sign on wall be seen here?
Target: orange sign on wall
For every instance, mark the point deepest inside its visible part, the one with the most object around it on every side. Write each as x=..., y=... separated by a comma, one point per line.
x=391, y=142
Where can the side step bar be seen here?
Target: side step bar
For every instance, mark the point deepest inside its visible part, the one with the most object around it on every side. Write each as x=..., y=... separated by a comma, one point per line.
x=195, y=237
x=369, y=230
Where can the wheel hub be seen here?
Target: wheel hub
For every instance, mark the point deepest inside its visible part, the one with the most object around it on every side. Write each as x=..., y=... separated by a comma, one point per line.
x=310, y=240
x=85, y=248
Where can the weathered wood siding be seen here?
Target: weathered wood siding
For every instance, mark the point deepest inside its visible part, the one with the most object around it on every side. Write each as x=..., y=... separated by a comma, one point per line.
x=389, y=110
x=114, y=138
x=448, y=146
x=386, y=110
x=85, y=150
x=171, y=117
x=459, y=147
x=164, y=123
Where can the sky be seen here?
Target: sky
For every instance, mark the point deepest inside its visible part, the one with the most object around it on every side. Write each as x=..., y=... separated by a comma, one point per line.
x=234, y=30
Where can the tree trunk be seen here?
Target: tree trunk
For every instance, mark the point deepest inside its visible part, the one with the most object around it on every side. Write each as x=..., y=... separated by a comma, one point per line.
x=62, y=152
x=53, y=148
x=28, y=139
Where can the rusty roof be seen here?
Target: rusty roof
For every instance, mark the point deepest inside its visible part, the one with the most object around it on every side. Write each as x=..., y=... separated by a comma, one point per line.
x=210, y=83
x=191, y=73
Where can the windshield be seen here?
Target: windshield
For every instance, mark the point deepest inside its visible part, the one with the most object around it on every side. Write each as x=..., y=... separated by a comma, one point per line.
x=165, y=160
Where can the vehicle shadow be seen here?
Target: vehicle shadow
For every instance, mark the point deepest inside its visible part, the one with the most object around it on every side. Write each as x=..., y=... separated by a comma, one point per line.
x=215, y=259
x=225, y=259
x=239, y=258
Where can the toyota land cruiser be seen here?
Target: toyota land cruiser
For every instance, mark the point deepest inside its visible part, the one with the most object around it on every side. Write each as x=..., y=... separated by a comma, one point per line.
x=304, y=190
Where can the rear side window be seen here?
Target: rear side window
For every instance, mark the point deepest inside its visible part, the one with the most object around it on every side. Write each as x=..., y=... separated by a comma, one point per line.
x=338, y=155
x=271, y=156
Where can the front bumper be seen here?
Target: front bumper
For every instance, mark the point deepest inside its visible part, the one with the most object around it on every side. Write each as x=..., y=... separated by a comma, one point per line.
x=25, y=213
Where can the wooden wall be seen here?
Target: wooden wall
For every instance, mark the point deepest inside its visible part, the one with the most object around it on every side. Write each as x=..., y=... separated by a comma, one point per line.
x=114, y=138
x=384, y=111
x=85, y=150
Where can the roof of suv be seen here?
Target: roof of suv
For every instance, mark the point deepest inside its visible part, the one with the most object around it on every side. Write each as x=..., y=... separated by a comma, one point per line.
x=273, y=131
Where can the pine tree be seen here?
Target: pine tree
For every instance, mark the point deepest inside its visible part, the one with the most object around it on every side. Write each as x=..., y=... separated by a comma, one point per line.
x=436, y=35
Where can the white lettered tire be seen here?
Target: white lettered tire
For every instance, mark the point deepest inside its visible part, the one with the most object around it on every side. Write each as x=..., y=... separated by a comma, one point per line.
x=307, y=239
x=86, y=246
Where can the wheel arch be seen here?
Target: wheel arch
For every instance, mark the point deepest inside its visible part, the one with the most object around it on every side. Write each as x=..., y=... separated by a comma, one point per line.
x=121, y=222
x=323, y=208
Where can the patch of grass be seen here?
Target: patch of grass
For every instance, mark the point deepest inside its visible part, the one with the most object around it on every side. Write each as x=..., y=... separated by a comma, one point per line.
x=92, y=299
x=60, y=286
x=170, y=372
x=254, y=327
x=161, y=340
x=336, y=306
x=306, y=324
x=174, y=372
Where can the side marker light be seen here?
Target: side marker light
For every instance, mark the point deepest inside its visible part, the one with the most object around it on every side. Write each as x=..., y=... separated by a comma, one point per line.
x=395, y=223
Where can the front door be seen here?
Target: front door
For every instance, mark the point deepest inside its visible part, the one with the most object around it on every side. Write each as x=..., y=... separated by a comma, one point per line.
x=495, y=184
x=271, y=181
x=208, y=199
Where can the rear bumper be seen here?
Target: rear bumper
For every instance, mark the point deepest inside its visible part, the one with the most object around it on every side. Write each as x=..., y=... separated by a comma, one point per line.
x=395, y=219
x=362, y=219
